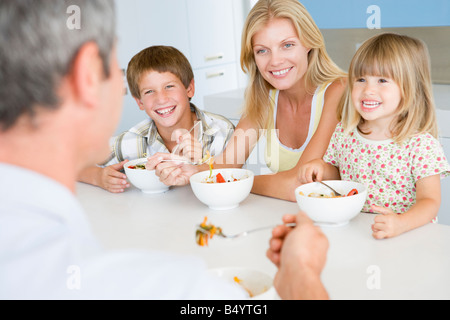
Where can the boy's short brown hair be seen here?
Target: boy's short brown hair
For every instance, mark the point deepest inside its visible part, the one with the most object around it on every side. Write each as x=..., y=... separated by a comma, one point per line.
x=159, y=59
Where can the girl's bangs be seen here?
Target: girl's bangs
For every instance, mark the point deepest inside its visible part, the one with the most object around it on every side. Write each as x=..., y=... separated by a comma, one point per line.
x=373, y=62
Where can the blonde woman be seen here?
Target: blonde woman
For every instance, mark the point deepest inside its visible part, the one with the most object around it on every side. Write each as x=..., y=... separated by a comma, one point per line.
x=292, y=98
x=387, y=138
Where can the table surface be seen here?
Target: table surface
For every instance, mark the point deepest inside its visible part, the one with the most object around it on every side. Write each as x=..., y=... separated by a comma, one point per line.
x=414, y=265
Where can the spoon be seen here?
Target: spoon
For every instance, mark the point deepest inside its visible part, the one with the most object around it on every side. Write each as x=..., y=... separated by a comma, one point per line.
x=207, y=132
x=202, y=161
x=240, y=234
x=176, y=147
x=210, y=131
x=335, y=192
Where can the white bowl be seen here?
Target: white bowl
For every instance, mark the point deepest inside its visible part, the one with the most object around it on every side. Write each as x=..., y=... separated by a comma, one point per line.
x=257, y=284
x=222, y=196
x=331, y=211
x=146, y=180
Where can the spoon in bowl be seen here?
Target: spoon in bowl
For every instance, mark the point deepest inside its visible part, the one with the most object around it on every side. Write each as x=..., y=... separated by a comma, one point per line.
x=335, y=192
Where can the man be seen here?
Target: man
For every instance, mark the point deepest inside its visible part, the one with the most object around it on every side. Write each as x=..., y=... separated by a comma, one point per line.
x=60, y=101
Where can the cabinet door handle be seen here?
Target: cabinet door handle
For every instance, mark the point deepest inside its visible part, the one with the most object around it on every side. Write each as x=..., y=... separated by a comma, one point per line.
x=217, y=56
x=215, y=74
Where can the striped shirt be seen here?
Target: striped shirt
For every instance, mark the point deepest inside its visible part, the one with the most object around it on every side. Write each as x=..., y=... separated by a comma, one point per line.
x=143, y=140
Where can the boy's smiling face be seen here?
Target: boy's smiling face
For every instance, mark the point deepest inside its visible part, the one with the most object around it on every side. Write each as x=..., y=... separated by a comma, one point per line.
x=165, y=99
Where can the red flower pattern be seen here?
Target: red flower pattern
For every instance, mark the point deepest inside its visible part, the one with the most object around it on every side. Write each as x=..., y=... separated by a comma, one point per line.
x=389, y=170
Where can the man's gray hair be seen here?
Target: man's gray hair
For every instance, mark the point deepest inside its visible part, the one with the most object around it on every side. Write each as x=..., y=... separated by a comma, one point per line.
x=39, y=41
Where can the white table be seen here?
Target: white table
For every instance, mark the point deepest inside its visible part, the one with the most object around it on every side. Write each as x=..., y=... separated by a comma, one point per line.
x=415, y=265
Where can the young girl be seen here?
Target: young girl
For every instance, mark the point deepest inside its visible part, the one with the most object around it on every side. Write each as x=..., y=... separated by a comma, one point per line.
x=387, y=137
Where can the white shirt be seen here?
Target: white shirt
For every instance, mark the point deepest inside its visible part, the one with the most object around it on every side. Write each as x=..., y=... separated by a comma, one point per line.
x=47, y=251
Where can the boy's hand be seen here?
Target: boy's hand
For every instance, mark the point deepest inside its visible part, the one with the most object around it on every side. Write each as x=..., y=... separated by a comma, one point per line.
x=311, y=171
x=188, y=146
x=112, y=179
x=171, y=173
x=386, y=225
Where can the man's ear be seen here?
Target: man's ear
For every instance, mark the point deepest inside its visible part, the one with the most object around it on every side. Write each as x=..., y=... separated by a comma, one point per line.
x=87, y=74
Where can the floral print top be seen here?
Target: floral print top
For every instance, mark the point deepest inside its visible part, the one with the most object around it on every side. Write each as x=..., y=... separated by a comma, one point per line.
x=389, y=170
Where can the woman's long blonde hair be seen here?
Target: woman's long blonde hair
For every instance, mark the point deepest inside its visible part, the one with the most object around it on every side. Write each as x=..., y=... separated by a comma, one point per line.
x=406, y=61
x=321, y=69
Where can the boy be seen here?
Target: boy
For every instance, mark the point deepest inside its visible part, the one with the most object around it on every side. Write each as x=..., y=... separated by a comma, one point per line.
x=161, y=81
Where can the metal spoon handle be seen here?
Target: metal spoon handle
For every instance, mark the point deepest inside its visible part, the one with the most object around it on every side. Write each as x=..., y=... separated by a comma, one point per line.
x=335, y=192
x=244, y=233
x=177, y=146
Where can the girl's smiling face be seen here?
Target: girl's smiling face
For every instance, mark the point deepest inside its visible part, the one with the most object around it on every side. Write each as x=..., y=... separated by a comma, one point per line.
x=376, y=98
x=280, y=57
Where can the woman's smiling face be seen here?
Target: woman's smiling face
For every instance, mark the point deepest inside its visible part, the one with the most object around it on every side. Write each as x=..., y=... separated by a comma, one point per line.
x=280, y=57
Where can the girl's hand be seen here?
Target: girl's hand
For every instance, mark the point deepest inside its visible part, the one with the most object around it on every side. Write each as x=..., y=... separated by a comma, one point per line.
x=386, y=225
x=111, y=179
x=311, y=171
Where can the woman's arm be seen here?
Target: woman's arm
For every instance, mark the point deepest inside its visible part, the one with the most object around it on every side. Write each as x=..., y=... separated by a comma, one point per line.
x=282, y=184
x=239, y=147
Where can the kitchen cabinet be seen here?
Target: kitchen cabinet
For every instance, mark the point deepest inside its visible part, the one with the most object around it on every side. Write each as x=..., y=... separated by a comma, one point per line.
x=213, y=80
x=210, y=26
x=214, y=34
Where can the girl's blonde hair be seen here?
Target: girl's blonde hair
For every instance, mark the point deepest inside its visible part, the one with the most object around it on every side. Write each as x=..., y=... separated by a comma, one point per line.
x=406, y=61
x=321, y=69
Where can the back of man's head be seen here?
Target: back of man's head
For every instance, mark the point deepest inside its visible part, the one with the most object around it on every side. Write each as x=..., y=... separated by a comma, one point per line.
x=40, y=40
